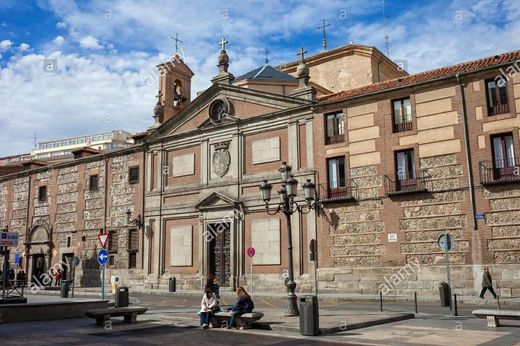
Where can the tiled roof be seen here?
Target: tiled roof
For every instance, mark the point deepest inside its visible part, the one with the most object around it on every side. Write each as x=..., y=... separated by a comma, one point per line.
x=266, y=72
x=443, y=72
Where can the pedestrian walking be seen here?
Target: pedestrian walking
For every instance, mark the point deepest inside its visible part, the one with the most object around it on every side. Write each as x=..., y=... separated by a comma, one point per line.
x=487, y=284
x=57, y=277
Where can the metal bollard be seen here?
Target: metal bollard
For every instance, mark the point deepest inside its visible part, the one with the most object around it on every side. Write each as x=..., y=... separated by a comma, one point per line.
x=415, y=301
x=498, y=302
x=381, y=301
x=456, y=310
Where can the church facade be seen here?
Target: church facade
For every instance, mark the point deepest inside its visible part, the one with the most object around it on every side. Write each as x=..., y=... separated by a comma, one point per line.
x=397, y=160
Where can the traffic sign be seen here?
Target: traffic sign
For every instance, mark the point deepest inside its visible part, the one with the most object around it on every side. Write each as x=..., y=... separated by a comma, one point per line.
x=251, y=251
x=103, y=239
x=446, y=242
x=9, y=239
x=17, y=259
x=102, y=257
x=75, y=261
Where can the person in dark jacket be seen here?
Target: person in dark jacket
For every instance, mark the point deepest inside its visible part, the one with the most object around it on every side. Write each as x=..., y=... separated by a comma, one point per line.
x=242, y=306
x=487, y=284
x=212, y=284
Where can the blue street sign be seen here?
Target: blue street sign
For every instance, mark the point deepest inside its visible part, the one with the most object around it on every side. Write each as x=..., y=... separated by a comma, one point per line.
x=102, y=257
x=17, y=259
x=480, y=216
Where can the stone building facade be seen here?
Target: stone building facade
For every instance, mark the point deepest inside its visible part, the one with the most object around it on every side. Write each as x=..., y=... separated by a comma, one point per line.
x=398, y=160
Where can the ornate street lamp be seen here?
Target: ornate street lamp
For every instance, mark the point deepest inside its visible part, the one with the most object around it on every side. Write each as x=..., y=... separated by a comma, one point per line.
x=289, y=206
x=138, y=221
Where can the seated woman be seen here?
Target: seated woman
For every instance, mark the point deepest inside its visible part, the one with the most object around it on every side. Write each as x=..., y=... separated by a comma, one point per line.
x=209, y=302
x=242, y=306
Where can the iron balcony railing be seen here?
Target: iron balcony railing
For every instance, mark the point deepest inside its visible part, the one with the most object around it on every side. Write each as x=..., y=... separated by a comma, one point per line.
x=339, y=193
x=499, y=171
x=498, y=108
x=335, y=139
x=407, y=126
x=410, y=182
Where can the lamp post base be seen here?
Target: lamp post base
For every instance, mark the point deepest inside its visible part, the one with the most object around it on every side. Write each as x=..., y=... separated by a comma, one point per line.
x=292, y=305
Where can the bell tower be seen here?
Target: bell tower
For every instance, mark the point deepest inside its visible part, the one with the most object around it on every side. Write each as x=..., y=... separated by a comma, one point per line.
x=174, y=88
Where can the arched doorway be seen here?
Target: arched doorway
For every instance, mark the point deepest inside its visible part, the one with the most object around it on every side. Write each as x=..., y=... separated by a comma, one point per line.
x=38, y=253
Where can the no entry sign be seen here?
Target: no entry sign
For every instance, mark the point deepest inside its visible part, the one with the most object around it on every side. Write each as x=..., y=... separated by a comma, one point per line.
x=251, y=251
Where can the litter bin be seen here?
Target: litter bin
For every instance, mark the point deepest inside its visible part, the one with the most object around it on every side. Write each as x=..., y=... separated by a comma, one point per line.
x=65, y=285
x=121, y=299
x=172, y=285
x=445, y=294
x=309, y=316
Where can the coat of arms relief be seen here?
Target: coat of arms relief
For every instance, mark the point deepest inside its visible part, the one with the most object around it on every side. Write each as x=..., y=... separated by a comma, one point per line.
x=221, y=159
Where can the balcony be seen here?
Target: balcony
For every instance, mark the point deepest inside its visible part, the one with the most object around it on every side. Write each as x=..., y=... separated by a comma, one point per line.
x=498, y=108
x=499, y=172
x=338, y=194
x=334, y=139
x=412, y=183
x=408, y=126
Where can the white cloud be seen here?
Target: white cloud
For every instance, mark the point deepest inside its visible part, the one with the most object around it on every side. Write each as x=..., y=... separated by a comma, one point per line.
x=90, y=42
x=24, y=47
x=61, y=25
x=5, y=45
x=59, y=40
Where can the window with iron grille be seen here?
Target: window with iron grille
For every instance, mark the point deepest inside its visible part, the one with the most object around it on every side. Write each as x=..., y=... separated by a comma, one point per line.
x=112, y=242
x=132, y=260
x=334, y=128
x=93, y=182
x=496, y=97
x=133, y=240
x=402, y=115
x=42, y=194
x=133, y=175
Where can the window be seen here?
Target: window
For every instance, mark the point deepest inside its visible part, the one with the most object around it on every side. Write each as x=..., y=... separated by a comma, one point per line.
x=132, y=260
x=405, y=170
x=42, y=194
x=335, y=128
x=133, y=175
x=504, y=163
x=496, y=97
x=337, y=177
x=133, y=240
x=93, y=182
x=69, y=241
x=402, y=115
x=112, y=242
x=111, y=260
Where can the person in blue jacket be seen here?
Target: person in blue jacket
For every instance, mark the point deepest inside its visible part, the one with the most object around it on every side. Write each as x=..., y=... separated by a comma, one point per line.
x=242, y=306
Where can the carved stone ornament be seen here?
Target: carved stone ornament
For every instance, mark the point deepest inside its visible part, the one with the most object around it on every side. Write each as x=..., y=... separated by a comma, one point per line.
x=218, y=110
x=221, y=159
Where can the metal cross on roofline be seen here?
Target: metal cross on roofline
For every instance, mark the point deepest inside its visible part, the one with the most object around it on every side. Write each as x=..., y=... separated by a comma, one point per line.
x=223, y=43
x=266, y=52
x=302, y=53
x=324, y=27
x=176, y=39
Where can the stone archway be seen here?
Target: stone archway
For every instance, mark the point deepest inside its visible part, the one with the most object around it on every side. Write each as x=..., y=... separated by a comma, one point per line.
x=38, y=252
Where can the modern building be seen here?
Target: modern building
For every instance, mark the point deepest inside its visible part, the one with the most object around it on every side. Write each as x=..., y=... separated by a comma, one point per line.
x=99, y=141
x=398, y=160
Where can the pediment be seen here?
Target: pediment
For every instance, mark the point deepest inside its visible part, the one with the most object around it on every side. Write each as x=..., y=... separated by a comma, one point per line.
x=243, y=104
x=216, y=200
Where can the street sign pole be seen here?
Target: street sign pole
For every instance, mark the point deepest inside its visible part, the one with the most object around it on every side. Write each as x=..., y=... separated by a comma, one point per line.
x=102, y=282
x=251, y=253
x=251, y=275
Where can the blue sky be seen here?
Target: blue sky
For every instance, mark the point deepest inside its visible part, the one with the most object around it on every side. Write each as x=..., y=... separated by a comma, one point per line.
x=102, y=53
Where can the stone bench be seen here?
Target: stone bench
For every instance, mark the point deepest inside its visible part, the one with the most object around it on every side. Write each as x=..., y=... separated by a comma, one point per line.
x=245, y=321
x=103, y=315
x=493, y=316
